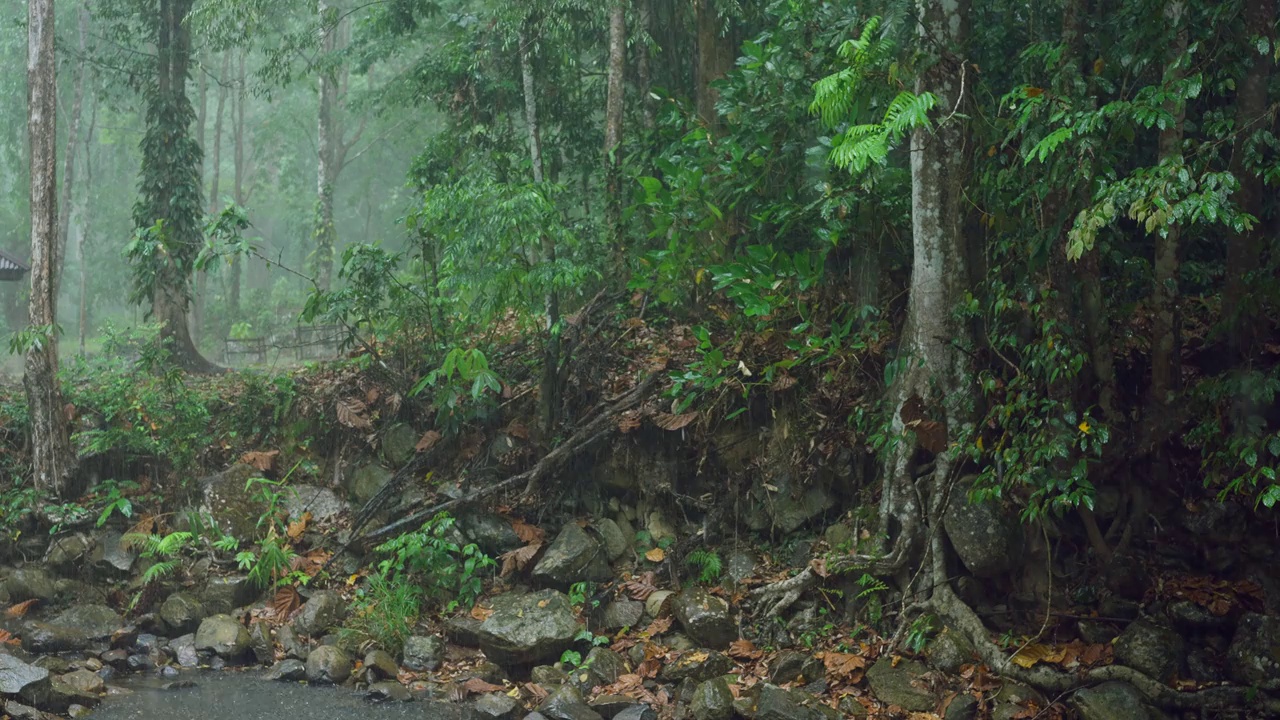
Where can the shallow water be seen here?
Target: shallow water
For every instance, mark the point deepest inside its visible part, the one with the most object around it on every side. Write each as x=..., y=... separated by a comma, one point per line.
x=244, y=696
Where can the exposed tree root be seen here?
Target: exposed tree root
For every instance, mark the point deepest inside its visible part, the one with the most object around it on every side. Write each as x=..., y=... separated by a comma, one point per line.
x=784, y=593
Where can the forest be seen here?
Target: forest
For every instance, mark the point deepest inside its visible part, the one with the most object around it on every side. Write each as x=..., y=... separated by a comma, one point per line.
x=640, y=359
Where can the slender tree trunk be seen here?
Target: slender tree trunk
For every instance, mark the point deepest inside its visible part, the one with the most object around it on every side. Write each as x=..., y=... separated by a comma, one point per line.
x=644, y=73
x=52, y=458
x=215, y=181
x=85, y=225
x=233, y=297
x=202, y=116
x=73, y=138
x=713, y=61
x=324, y=232
x=613, y=129
x=1243, y=248
x=549, y=391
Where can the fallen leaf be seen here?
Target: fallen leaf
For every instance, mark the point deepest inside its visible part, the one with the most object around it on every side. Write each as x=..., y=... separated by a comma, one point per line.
x=658, y=627
x=477, y=685
x=428, y=441
x=21, y=609
x=516, y=560
x=261, y=461
x=528, y=534
x=351, y=413
x=1028, y=656
x=667, y=421
x=299, y=526
x=744, y=650
x=656, y=555
x=286, y=601
x=481, y=613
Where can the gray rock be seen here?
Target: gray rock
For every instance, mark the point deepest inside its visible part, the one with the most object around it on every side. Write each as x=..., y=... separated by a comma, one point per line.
x=949, y=651
x=323, y=611
x=70, y=553
x=574, y=556
x=616, y=544
x=18, y=711
x=607, y=664
x=463, y=630
x=321, y=502
x=894, y=685
x=388, y=690
x=1111, y=701
x=1150, y=649
x=399, y=444
x=223, y=635
x=381, y=664
x=115, y=554
x=85, y=682
x=1253, y=657
x=566, y=703
x=739, y=564
x=222, y=594
x=617, y=614
x=705, y=618
x=364, y=483
x=961, y=707
x=987, y=539
x=497, y=706
x=76, y=628
x=440, y=710
x=264, y=651
x=548, y=676
x=17, y=677
x=790, y=666
x=636, y=712
x=290, y=670
x=490, y=532
x=423, y=652
x=289, y=642
x=793, y=503
x=774, y=703
x=1013, y=700
x=696, y=665
x=1191, y=617
x=182, y=612
x=328, y=665
x=184, y=651
x=712, y=700
x=525, y=629
x=28, y=584
x=233, y=505
x=610, y=705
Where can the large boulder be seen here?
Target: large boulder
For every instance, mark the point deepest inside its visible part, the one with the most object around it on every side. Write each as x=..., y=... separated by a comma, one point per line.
x=617, y=614
x=1150, y=649
x=1253, y=657
x=222, y=594
x=30, y=583
x=574, y=556
x=76, y=628
x=232, y=503
x=323, y=611
x=328, y=665
x=895, y=685
x=1111, y=701
x=525, y=629
x=223, y=635
x=20, y=678
x=986, y=537
x=423, y=652
x=705, y=618
x=182, y=612
x=117, y=556
x=72, y=552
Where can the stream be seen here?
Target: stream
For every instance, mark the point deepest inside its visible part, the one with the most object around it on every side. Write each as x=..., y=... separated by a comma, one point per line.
x=244, y=696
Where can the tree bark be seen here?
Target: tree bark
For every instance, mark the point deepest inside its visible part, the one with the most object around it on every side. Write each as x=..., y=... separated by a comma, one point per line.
x=644, y=72
x=613, y=129
x=215, y=182
x=233, y=298
x=52, y=457
x=715, y=57
x=324, y=232
x=69, y=156
x=85, y=225
x=935, y=376
x=1243, y=248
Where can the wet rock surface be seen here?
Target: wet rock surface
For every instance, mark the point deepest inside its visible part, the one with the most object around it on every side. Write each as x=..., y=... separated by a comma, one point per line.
x=525, y=629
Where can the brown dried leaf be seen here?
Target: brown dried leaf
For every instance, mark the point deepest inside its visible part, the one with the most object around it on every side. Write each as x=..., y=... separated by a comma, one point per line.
x=371, y=396
x=351, y=413
x=481, y=613
x=667, y=421
x=516, y=560
x=21, y=609
x=261, y=461
x=657, y=627
x=844, y=665
x=299, y=526
x=9, y=638
x=428, y=441
x=744, y=649
x=286, y=601
x=656, y=555
x=528, y=534
x=628, y=421
x=784, y=382
x=477, y=686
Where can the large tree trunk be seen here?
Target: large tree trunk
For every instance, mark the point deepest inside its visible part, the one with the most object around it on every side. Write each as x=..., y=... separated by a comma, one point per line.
x=73, y=136
x=933, y=392
x=52, y=458
x=1243, y=248
x=644, y=71
x=85, y=226
x=715, y=57
x=549, y=389
x=215, y=182
x=233, y=295
x=613, y=129
x=327, y=140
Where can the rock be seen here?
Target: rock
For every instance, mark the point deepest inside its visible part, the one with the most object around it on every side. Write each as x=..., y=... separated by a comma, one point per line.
x=76, y=628
x=182, y=612
x=85, y=682
x=439, y=710
x=607, y=664
x=1253, y=658
x=616, y=544
x=232, y=503
x=1192, y=617
x=1111, y=701
x=178, y=685
x=1014, y=701
x=18, y=711
x=327, y=665
x=774, y=703
x=659, y=527
x=497, y=706
x=223, y=635
x=790, y=666
x=659, y=603
x=30, y=584
x=388, y=690
x=987, y=539
x=115, y=554
x=636, y=712
x=70, y=553
x=961, y=707
x=617, y=614
x=323, y=611
x=19, y=678
x=739, y=564
x=321, y=502
x=566, y=704
x=287, y=671
x=548, y=676
x=894, y=685
x=399, y=444
x=289, y=642
x=423, y=652
x=949, y=651
x=697, y=665
x=490, y=532
x=221, y=595
x=264, y=651
x=574, y=556
x=712, y=700
x=610, y=705
x=792, y=503
x=364, y=483
x=1150, y=649
x=525, y=629
x=705, y=618
x=463, y=630
x=381, y=664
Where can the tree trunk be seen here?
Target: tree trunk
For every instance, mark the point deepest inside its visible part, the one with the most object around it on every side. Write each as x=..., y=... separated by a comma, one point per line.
x=549, y=390
x=933, y=393
x=215, y=182
x=69, y=159
x=1243, y=248
x=52, y=458
x=715, y=57
x=85, y=225
x=613, y=129
x=644, y=72
x=1164, y=295
x=233, y=296
x=324, y=232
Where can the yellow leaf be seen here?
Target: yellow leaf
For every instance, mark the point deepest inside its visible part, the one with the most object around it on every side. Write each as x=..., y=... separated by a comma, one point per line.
x=980, y=443
x=352, y=580
x=1031, y=654
x=1084, y=427
x=656, y=555
x=697, y=280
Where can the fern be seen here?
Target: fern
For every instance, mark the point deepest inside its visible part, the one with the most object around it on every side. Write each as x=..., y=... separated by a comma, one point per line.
x=708, y=564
